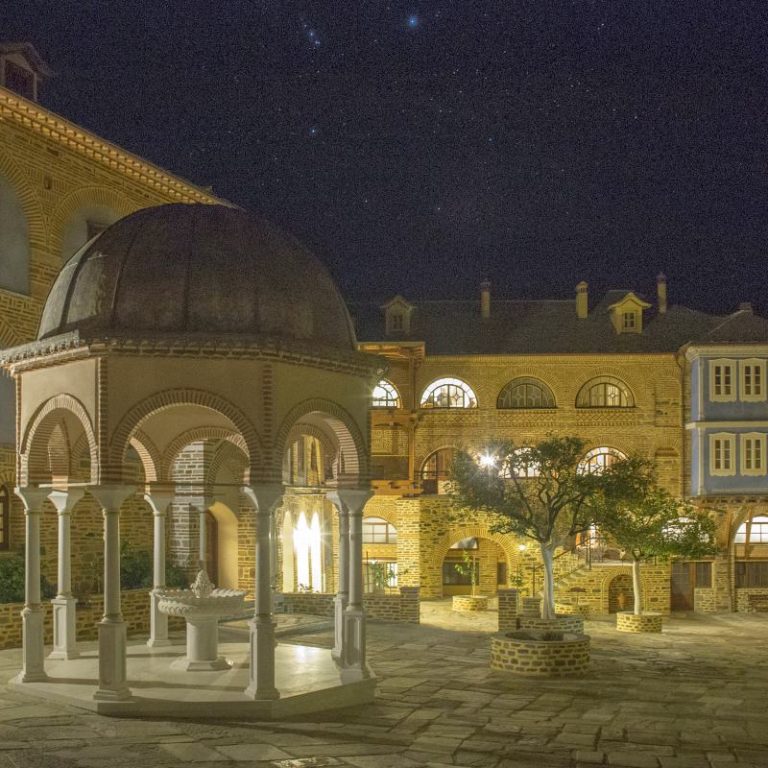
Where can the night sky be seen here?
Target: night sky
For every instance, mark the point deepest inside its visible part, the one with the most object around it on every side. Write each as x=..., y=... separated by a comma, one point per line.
x=419, y=147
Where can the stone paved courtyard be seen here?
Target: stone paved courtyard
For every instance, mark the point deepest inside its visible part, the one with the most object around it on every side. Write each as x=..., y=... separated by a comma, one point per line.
x=695, y=696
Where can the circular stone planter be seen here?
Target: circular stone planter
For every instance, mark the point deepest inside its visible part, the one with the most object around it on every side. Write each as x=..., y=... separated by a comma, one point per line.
x=469, y=603
x=573, y=624
x=530, y=654
x=626, y=621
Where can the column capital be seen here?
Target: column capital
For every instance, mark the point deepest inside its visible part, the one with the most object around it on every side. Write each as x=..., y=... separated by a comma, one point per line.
x=350, y=500
x=110, y=497
x=159, y=497
x=32, y=496
x=65, y=500
x=264, y=496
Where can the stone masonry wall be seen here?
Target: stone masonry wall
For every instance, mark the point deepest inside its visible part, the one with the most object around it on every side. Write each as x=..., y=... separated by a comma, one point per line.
x=134, y=603
x=403, y=607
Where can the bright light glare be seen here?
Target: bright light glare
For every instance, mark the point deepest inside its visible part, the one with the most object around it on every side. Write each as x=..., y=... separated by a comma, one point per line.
x=486, y=460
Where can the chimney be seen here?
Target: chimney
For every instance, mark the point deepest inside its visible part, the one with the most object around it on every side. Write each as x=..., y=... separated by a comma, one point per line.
x=582, y=301
x=485, y=299
x=661, y=292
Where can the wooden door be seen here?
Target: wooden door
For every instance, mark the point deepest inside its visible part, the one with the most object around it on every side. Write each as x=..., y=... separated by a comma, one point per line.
x=681, y=587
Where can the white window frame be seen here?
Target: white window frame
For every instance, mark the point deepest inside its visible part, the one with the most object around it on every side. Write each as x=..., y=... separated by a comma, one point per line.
x=730, y=365
x=390, y=398
x=730, y=439
x=629, y=320
x=468, y=395
x=751, y=364
x=756, y=439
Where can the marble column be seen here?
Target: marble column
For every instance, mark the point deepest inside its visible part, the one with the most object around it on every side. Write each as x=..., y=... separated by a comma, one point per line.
x=33, y=648
x=113, y=641
x=64, y=618
x=264, y=499
x=352, y=658
x=342, y=594
x=159, y=499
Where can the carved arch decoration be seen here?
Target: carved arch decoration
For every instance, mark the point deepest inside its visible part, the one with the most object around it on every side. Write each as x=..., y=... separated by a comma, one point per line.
x=353, y=448
x=172, y=398
x=196, y=435
x=34, y=449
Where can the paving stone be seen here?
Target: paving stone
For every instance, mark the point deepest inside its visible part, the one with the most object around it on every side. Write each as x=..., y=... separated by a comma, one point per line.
x=252, y=752
x=632, y=759
x=193, y=753
x=589, y=757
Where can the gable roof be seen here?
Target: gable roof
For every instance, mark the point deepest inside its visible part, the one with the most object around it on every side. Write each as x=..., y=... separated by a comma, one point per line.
x=552, y=327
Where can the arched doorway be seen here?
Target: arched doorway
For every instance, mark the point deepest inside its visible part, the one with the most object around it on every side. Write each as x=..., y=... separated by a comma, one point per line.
x=621, y=595
x=474, y=565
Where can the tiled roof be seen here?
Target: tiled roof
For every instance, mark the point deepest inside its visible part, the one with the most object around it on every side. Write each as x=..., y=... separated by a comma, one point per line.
x=547, y=327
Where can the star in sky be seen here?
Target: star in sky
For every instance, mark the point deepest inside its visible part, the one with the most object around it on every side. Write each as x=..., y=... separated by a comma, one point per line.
x=413, y=21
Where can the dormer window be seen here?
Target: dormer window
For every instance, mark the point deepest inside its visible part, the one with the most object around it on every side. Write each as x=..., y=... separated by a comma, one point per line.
x=397, y=316
x=20, y=80
x=627, y=314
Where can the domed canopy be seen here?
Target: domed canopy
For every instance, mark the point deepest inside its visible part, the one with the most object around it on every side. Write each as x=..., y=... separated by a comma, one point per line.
x=197, y=269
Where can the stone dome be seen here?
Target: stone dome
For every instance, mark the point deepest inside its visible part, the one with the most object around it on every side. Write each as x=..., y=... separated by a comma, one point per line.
x=200, y=270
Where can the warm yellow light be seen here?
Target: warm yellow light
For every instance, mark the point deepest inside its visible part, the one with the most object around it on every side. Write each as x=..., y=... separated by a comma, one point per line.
x=487, y=461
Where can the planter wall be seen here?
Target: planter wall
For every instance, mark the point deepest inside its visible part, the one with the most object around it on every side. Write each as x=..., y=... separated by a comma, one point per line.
x=469, y=603
x=626, y=621
x=520, y=653
x=574, y=624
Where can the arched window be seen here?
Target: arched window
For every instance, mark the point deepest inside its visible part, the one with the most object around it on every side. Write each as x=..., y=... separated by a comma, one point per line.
x=436, y=470
x=14, y=241
x=385, y=396
x=526, y=393
x=754, y=531
x=598, y=459
x=448, y=393
x=605, y=392
x=376, y=530
x=522, y=465
x=5, y=517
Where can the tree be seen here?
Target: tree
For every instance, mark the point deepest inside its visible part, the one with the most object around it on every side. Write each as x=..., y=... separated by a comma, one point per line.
x=538, y=491
x=649, y=523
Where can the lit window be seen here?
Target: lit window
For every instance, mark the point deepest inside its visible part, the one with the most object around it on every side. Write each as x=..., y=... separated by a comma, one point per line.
x=752, y=380
x=448, y=393
x=376, y=530
x=435, y=471
x=754, y=530
x=721, y=454
x=521, y=465
x=722, y=375
x=599, y=459
x=385, y=396
x=604, y=392
x=752, y=454
x=526, y=393
x=5, y=515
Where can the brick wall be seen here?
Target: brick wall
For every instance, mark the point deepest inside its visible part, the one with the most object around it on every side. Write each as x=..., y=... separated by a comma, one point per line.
x=135, y=607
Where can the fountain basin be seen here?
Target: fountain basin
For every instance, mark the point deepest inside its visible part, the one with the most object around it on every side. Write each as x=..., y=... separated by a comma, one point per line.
x=202, y=610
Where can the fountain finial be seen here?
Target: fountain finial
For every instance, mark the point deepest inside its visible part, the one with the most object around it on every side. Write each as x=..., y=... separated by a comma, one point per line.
x=202, y=585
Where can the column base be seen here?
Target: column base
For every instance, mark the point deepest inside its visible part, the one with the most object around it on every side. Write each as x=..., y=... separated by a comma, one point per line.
x=262, y=656
x=204, y=665
x=354, y=674
x=354, y=638
x=113, y=647
x=64, y=629
x=158, y=624
x=339, y=604
x=33, y=645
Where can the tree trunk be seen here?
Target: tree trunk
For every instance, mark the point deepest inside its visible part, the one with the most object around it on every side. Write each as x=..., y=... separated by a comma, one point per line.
x=548, y=601
x=637, y=587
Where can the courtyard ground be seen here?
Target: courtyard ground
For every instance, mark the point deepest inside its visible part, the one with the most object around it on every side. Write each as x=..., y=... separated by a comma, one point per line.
x=694, y=697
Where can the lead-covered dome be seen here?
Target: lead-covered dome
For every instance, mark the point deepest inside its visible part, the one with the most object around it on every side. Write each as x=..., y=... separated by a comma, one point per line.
x=199, y=270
